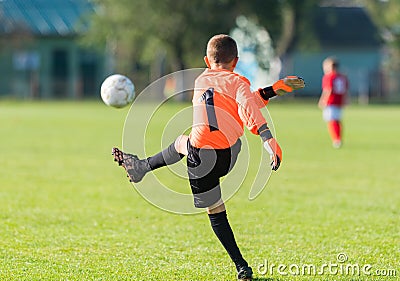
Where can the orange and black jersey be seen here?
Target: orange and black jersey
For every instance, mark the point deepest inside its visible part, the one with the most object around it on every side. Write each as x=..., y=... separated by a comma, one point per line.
x=222, y=105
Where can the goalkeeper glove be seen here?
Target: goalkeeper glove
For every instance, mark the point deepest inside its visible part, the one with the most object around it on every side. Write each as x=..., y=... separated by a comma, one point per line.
x=281, y=87
x=275, y=153
x=271, y=146
x=287, y=85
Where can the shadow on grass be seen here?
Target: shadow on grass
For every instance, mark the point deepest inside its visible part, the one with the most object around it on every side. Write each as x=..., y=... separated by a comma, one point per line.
x=265, y=279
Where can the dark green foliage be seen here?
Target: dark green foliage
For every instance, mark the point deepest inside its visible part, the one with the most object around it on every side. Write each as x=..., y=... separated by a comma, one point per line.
x=150, y=33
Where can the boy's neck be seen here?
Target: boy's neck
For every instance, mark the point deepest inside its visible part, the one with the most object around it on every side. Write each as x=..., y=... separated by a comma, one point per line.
x=214, y=66
x=230, y=66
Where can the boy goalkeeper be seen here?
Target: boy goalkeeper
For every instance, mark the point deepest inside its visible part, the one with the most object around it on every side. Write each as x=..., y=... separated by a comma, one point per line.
x=222, y=104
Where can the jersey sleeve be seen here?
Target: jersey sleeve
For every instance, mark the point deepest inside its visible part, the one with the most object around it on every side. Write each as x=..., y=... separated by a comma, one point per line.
x=249, y=108
x=259, y=100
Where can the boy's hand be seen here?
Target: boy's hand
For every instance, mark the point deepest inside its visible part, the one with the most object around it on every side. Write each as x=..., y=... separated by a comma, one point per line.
x=288, y=84
x=275, y=152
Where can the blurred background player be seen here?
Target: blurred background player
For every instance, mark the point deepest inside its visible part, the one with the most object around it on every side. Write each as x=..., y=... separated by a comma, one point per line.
x=335, y=86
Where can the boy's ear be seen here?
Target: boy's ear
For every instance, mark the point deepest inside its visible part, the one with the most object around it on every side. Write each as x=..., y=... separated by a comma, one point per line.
x=235, y=61
x=207, y=62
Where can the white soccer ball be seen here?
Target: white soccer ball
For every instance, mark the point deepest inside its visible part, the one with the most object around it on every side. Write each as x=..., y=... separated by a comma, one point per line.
x=117, y=91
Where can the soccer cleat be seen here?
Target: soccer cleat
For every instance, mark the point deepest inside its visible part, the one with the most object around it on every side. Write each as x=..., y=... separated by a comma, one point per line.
x=245, y=273
x=134, y=167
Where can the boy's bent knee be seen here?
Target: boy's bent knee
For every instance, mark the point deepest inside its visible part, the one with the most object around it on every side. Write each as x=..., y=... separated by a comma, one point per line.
x=181, y=144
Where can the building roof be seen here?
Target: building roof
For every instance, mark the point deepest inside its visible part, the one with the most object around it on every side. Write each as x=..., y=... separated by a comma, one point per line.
x=44, y=17
x=345, y=26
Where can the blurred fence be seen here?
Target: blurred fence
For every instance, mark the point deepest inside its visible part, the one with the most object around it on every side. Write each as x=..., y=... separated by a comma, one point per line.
x=390, y=87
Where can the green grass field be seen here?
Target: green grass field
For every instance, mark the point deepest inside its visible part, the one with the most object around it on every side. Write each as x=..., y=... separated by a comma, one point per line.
x=67, y=211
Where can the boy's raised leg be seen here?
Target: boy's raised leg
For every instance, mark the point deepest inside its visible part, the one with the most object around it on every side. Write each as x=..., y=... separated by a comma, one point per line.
x=137, y=168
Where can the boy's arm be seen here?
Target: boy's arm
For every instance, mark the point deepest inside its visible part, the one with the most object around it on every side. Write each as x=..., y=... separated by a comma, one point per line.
x=280, y=88
x=252, y=117
x=324, y=98
x=326, y=91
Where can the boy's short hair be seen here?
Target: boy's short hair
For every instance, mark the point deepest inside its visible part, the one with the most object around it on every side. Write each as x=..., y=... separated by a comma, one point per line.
x=333, y=61
x=222, y=48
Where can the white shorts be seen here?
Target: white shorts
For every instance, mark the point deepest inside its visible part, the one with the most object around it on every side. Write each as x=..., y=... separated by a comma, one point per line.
x=332, y=112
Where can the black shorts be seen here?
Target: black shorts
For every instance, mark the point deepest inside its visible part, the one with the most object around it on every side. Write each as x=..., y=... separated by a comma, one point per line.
x=205, y=168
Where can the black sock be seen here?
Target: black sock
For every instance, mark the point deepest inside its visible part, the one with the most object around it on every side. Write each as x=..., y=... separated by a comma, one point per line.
x=221, y=227
x=166, y=157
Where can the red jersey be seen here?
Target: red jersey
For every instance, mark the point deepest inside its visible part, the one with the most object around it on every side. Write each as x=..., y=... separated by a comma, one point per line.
x=222, y=104
x=337, y=84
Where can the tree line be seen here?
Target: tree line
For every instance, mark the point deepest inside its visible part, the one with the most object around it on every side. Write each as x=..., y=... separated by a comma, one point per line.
x=169, y=35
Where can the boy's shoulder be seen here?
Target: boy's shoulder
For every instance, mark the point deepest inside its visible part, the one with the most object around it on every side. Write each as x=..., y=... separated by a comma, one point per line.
x=242, y=78
x=223, y=74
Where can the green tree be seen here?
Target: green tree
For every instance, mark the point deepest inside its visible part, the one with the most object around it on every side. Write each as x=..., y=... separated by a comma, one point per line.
x=386, y=14
x=149, y=34
x=285, y=20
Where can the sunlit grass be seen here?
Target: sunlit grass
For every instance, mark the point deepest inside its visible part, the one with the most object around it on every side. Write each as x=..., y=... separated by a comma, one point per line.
x=67, y=212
